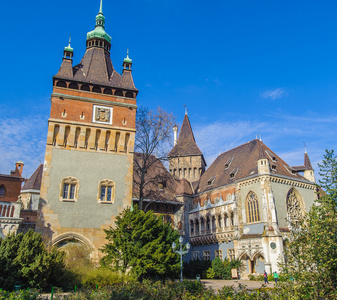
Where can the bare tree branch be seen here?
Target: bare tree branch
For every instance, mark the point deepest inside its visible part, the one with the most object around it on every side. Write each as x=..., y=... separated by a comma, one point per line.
x=152, y=142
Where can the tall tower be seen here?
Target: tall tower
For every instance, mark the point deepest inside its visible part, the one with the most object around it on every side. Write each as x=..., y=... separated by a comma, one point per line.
x=87, y=175
x=185, y=159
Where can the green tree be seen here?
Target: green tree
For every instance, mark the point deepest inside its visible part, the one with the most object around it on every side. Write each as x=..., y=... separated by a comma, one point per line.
x=141, y=243
x=311, y=254
x=25, y=259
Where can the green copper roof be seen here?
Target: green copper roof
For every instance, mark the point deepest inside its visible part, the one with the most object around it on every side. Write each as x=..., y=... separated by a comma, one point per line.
x=68, y=48
x=127, y=59
x=99, y=31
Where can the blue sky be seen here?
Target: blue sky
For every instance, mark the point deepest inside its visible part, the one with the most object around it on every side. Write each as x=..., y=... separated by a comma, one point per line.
x=241, y=67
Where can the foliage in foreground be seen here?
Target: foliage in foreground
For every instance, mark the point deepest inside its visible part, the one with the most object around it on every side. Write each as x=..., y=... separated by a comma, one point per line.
x=25, y=260
x=187, y=290
x=141, y=244
x=222, y=269
x=311, y=253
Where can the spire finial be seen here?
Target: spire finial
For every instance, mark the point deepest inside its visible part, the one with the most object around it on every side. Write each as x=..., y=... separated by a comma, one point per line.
x=69, y=40
x=186, y=110
x=100, y=8
x=305, y=147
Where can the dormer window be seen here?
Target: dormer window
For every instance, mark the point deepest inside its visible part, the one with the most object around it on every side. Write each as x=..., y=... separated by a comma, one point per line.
x=210, y=181
x=228, y=163
x=233, y=173
x=273, y=167
x=272, y=156
x=161, y=185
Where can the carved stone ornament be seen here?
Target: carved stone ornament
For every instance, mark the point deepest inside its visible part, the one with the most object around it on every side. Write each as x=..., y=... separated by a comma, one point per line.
x=102, y=114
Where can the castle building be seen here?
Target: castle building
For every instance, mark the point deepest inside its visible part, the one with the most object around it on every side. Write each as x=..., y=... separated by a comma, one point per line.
x=242, y=206
x=87, y=171
x=10, y=187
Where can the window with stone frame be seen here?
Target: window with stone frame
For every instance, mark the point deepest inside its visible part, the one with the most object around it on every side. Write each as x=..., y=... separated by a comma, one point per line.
x=294, y=208
x=106, y=191
x=230, y=254
x=252, y=206
x=218, y=253
x=195, y=255
x=2, y=191
x=69, y=189
x=206, y=255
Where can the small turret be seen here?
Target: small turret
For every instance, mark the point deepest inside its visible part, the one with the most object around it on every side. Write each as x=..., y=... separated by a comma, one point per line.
x=68, y=52
x=127, y=62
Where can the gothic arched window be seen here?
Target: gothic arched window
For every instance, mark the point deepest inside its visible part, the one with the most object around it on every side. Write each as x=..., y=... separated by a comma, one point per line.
x=294, y=208
x=253, y=208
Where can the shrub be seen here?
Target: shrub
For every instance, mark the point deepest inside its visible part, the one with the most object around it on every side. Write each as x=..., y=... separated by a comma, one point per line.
x=195, y=267
x=102, y=277
x=210, y=273
x=20, y=295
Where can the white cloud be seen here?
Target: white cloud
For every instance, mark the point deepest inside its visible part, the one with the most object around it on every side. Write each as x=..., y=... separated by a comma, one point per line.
x=274, y=94
x=284, y=134
x=22, y=139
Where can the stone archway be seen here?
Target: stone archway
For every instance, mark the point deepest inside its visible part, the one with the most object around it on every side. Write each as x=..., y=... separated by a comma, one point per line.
x=258, y=263
x=75, y=244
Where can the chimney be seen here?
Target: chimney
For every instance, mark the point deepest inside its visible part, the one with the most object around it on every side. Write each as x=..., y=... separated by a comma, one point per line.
x=18, y=168
x=175, y=133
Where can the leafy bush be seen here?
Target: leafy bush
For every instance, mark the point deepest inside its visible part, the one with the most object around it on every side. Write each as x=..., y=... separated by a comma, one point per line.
x=196, y=266
x=25, y=259
x=20, y=295
x=102, y=277
x=210, y=273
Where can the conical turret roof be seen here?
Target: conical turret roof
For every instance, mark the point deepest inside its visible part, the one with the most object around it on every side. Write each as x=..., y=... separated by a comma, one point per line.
x=186, y=145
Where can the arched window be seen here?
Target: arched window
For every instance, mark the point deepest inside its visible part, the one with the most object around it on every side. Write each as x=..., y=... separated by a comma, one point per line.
x=252, y=208
x=69, y=189
x=294, y=207
x=61, y=84
x=107, y=91
x=96, y=89
x=4, y=211
x=85, y=87
x=119, y=93
x=106, y=191
x=73, y=85
x=12, y=213
x=2, y=191
x=129, y=94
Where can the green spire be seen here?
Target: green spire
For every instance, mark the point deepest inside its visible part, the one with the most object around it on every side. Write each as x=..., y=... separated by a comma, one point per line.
x=100, y=9
x=68, y=48
x=99, y=31
x=127, y=59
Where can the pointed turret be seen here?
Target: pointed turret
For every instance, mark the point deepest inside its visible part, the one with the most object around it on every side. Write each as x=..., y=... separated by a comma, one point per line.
x=185, y=159
x=95, y=73
x=307, y=169
x=98, y=37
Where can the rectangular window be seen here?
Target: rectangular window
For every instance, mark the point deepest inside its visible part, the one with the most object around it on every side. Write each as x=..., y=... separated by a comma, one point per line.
x=108, y=196
x=218, y=253
x=230, y=254
x=195, y=254
x=65, y=190
x=72, y=191
x=206, y=255
x=103, y=193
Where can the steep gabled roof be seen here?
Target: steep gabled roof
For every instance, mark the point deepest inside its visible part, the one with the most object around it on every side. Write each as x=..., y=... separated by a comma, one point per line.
x=307, y=164
x=34, y=181
x=96, y=68
x=186, y=145
x=241, y=162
